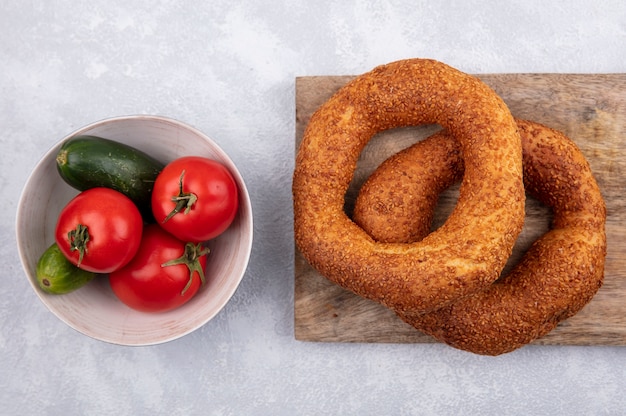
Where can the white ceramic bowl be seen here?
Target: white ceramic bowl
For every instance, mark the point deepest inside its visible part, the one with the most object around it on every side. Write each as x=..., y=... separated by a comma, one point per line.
x=93, y=309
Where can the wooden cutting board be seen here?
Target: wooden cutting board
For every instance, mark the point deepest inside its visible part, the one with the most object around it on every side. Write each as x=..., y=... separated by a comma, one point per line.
x=589, y=108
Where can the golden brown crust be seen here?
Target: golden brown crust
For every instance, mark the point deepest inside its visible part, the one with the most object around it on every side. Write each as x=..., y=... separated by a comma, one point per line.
x=557, y=276
x=468, y=252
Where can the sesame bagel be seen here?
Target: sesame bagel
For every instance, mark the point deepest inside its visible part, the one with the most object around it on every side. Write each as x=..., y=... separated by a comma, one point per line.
x=469, y=251
x=555, y=278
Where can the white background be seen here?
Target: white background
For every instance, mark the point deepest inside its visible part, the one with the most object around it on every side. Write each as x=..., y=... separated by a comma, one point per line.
x=228, y=68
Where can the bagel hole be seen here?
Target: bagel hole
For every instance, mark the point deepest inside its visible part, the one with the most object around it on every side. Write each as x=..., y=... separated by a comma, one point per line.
x=445, y=205
x=382, y=146
x=537, y=222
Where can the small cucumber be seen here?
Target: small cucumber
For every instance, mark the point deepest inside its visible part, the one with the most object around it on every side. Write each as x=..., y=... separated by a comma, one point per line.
x=56, y=275
x=86, y=162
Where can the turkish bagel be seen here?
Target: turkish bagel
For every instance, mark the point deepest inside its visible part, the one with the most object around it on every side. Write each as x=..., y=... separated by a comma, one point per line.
x=556, y=277
x=469, y=251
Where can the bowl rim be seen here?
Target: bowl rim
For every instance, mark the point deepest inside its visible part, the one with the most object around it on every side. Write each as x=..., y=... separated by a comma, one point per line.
x=245, y=248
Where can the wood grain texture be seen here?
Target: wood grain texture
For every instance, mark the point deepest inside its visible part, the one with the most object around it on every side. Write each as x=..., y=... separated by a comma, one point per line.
x=589, y=108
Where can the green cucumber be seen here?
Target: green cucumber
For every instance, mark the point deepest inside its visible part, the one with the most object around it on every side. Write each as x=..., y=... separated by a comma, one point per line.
x=86, y=162
x=57, y=275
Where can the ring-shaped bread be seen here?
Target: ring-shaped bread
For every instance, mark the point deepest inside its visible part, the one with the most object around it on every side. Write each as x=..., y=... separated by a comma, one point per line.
x=469, y=251
x=555, y=278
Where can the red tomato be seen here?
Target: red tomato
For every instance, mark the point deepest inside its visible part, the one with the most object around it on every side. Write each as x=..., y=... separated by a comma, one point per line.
x=165, y=273
x=195, y=199
x=99, y=230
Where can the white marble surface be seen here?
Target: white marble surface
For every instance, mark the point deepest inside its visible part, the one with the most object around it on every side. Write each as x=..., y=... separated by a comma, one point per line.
x=228, y=68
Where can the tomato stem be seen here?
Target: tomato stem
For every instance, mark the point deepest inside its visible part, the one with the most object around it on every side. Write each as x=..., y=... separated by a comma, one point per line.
x=191, y=259
x=184, y=200
x=78, y=239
